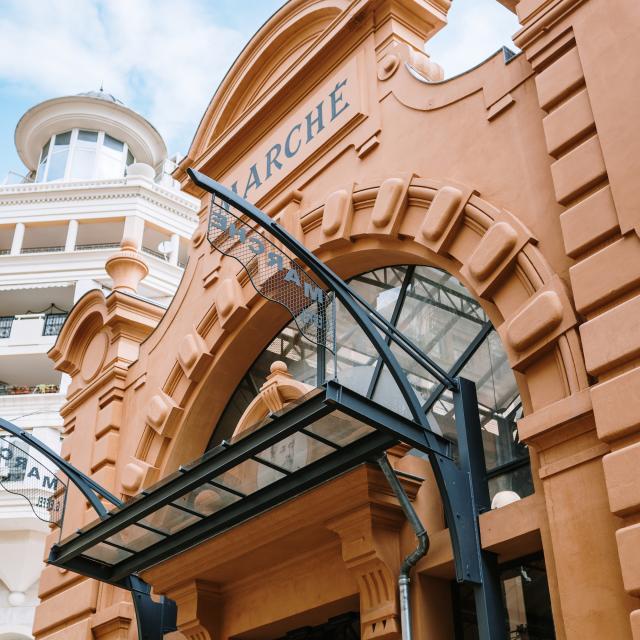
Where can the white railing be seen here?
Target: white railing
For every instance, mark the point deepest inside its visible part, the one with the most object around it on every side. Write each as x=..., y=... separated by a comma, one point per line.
x=30, y=329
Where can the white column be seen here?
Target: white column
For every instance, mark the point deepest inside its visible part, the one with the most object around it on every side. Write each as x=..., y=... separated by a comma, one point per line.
x=82, y=286
x=133, y=230
x=175, y=249
x=72, y=234
x=65, y=381
x=18, y=237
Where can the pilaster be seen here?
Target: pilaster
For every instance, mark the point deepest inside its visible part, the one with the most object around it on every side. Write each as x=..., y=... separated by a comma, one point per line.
x=587, y=93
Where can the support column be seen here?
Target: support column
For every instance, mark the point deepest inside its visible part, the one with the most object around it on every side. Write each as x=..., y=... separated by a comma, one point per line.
x=175, y=249
x=18, y=237
x=133, y=231
x=83, y=286
x=72, y=234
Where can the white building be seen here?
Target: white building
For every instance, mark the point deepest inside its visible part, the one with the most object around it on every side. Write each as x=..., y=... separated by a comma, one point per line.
x=97, y=172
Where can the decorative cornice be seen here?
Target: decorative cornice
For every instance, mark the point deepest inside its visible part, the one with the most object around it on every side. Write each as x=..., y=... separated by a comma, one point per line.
x=83, y=191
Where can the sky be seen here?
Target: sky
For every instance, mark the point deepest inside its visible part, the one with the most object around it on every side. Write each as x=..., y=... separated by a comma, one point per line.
x=164, y=59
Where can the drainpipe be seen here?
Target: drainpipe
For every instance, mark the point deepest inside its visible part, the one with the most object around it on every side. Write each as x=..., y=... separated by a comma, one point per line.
x=410, y=561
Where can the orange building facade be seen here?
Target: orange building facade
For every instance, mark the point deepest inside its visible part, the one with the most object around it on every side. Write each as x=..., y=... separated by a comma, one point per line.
x=501, y=207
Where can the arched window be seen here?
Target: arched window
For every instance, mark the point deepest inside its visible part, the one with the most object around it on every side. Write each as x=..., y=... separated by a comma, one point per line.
x=436, y=311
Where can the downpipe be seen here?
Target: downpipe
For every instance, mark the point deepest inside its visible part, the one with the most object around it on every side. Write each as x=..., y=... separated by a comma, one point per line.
x=404, y=578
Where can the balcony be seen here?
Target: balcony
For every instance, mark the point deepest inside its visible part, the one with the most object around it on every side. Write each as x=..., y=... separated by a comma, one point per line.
x=29, y=333
x=26, y=326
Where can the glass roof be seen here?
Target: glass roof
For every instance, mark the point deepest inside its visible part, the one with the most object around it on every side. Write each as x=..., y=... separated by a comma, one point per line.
x=328, y=431
x=434, y=310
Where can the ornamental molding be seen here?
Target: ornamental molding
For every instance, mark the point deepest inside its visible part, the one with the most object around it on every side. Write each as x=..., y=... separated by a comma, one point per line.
x=82, y=191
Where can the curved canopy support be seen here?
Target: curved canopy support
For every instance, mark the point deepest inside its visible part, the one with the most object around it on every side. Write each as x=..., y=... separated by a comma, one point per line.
x=154, y=619
x=89, y=488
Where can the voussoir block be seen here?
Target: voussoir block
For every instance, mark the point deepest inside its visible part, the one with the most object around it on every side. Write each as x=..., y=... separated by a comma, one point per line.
x=193, y=356
x=443, y=217
x=537, y=324
x=230, y=303
x=538, y=318
x=135, y=474
x=389, y=206
x=337, y=216
x=163, y=414
x=494, y=247
x=496, y=250
x=440, y=214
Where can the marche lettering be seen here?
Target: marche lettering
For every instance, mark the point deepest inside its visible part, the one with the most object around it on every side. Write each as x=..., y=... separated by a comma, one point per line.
x=294, y=142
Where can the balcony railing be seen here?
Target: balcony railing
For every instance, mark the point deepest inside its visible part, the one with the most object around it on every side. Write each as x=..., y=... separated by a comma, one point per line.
x=5, y=326
x=17, y=390
x=55, y=249
x=157, y=254
x=50, y=325
x=97, y=246
x=53, y=323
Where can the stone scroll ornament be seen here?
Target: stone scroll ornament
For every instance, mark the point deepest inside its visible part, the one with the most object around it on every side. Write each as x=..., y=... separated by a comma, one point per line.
x=24, y=474
x=274, y=274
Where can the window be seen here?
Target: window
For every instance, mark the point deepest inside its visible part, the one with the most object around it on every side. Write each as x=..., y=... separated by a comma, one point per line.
x=58, y=157
x=525, y=595
x=436, y=312
x=111, y=159
x=42, y=166
x=84, y=155
x=112, y=143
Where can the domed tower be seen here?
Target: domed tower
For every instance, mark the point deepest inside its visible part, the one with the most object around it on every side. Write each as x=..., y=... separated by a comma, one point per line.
x=98, y=186
x=88, y=136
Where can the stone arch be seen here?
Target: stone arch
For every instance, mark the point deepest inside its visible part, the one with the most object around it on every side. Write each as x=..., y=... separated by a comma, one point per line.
x=401, y=219
x=284, y=37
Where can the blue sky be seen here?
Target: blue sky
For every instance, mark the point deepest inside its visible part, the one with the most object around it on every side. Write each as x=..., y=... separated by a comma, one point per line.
x=165, y=58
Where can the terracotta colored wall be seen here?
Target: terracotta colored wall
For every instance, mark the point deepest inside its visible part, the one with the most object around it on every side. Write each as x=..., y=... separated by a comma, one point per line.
x=519, y=179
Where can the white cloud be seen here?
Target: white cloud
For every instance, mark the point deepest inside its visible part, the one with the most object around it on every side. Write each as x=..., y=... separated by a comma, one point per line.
x=161, y=57
x=475, y=30
x=165, y=58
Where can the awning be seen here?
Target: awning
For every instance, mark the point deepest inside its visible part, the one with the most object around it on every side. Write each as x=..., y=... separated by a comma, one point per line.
x=327, y=432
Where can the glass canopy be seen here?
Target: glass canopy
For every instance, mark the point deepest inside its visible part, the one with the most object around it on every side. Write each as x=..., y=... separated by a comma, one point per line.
x=326, y=432
x=437, y=313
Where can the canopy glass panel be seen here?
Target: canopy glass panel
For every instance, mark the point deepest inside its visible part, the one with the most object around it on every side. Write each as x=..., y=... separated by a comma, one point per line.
x=438, y=314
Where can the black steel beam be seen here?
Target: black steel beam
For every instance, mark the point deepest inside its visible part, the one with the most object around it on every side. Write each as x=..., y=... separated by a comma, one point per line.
x=379, y=417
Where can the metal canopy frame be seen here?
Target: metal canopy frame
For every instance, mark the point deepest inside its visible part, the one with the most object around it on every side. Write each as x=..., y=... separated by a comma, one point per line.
x=462, y=487
x=387, y=429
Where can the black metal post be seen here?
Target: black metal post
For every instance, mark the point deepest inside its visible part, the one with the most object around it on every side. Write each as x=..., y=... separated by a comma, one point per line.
x=488, y=592
x=154, y=618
